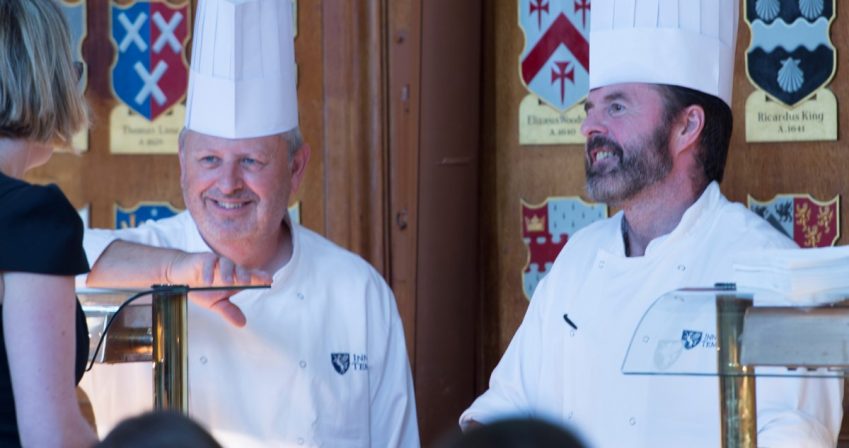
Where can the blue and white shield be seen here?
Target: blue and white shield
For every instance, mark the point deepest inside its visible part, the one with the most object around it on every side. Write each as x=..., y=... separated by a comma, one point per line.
x=691, y=338
x=554, y=64
x=791, y=55
x=146, y=211
x=341, y=362
x=545, y=229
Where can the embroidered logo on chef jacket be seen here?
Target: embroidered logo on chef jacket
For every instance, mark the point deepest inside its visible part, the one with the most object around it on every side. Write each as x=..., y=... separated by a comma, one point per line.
x=342, y=362
x=691, y=339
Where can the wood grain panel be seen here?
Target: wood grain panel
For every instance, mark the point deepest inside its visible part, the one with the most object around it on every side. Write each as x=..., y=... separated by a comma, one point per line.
x=447, y=271
x=309, y=55
x=354, y=128
x=403, y=97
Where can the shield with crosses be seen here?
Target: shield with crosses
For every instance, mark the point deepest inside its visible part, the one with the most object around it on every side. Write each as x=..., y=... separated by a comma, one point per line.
x=809, y=222
x=150, y=73
x=547, y=227
x=791, y=55
x=554, y=64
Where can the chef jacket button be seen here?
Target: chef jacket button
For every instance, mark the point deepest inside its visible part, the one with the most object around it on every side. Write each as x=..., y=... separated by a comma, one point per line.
x=300, y=440
x=682, y=268
x=601, y=264
x=572, y=333
x=570, y=416
x=300, y=296
x=203, y=359
x=303, y=364
x=645, y=339
x=632, y=421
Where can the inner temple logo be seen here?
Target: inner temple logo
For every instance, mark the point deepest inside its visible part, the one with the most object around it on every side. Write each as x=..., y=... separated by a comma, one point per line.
x=342, y=362
x=691, y=338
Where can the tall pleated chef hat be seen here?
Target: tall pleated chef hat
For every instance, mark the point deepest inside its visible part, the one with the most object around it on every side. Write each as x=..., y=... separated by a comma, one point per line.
x=687, y=43
x=242, y=75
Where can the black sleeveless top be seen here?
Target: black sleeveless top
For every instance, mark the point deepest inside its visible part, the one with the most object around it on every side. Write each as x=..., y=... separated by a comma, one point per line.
x=40, y=232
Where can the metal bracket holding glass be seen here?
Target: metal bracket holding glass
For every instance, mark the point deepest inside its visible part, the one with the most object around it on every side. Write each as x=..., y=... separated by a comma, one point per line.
x=145, y=326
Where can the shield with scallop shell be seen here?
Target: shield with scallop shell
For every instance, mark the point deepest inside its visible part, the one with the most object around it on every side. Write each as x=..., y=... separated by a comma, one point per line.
x=791, y=55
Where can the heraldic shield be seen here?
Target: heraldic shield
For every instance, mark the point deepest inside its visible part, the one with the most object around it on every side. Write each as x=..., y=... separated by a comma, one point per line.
x=791, y=55
x=545, y=229
x=555, y=62
x=807, y=221
x=127, y=218
x=151, y=73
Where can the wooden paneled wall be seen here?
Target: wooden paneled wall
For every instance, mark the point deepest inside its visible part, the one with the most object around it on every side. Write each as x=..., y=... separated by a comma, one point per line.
x=101, y=179
x=96, y=177
x=447, y=268
x=388, y=95
x=510, y=172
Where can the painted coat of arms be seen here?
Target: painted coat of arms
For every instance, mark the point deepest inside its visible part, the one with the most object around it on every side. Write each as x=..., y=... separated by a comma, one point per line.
x=554, y=64
x=545, y=229
x=150, y=74
x=141, y=213
x=809, y=222
x=791, y=55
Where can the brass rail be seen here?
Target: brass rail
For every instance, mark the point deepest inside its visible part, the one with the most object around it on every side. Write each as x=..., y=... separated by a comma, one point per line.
x=170, y=349
x=736, y=381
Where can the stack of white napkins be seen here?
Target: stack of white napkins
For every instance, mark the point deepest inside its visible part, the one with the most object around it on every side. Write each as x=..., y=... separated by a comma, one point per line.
x=794, y=276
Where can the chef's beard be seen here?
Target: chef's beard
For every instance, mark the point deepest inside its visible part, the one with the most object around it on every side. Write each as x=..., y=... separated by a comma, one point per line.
x=638, y=167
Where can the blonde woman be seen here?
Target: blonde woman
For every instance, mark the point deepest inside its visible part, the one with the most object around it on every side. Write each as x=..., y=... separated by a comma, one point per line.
x=44, y=335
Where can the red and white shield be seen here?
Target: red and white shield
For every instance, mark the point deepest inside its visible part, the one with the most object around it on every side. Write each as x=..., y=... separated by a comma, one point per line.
x=555, y=62
x=547, y=227
x=809, y=222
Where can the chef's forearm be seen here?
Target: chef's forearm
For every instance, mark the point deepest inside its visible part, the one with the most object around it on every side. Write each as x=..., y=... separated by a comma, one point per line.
x=132, y=265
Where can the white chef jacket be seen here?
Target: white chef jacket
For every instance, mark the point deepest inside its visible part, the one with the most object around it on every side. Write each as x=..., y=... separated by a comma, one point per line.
x=553, y=371
x=321, y=362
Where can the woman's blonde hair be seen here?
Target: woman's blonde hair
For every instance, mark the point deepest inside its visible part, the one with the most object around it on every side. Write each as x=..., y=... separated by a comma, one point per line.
x=39, y=95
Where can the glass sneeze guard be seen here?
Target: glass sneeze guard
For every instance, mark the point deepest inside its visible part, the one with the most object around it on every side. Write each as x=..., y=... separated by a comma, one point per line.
x=679, y=335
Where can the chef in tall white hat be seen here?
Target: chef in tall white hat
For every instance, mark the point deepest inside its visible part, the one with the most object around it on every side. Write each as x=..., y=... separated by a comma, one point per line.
x=317, y=360
x=658, y=128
